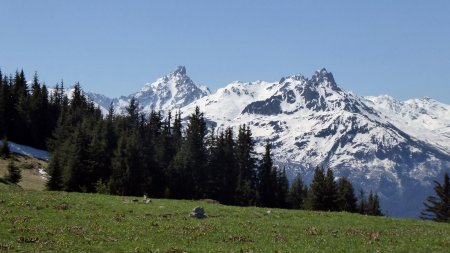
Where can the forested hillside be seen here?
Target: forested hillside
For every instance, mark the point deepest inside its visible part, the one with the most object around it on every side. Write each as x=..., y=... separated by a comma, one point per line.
x=158, y=155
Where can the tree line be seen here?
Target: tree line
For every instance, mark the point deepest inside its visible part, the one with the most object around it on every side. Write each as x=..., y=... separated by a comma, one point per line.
x=28, y=113
x=136, y=154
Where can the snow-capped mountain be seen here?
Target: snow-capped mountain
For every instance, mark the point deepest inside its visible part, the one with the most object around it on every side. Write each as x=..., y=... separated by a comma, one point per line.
x=425, y=118
x=394, y=148
x=170, y=92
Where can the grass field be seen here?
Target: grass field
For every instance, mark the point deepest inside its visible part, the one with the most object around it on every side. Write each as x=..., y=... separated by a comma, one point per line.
x=44, y=221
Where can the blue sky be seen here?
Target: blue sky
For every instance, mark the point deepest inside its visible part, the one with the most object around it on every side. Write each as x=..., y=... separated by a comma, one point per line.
x=400, y=48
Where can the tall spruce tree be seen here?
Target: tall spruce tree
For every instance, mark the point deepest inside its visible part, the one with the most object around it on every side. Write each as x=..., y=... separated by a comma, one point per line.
x=215, y=180
x=153, y=150
x=229, y=167
x=297, y=194
x=282, y=189
x=437, y=208
x=166, y=149
x=246, y=166
x=54, y=181
x=127, y=169
x=76, y=175
x=267, y=179
x=316, y=193
x=331, y=194
x=346, y=195
x=188, y=169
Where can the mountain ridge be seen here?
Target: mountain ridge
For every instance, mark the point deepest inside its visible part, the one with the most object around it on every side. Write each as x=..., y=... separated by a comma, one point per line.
x=393, y=147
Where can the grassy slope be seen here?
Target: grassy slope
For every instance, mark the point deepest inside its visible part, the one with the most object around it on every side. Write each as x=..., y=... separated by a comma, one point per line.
x=75, y=222
x=31, y=179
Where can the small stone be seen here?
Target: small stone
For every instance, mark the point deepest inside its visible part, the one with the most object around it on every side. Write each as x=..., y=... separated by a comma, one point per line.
x=146, y=200
x=198, y=213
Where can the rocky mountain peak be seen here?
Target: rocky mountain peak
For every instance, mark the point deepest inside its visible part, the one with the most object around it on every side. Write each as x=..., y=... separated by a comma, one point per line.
x=322, y=76
x=180, y=70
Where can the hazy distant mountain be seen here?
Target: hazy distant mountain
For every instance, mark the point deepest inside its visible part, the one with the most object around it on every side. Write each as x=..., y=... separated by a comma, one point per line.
x=395, y=148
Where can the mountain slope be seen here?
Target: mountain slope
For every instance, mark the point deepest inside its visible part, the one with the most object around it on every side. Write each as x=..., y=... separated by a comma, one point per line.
x=395, y=148
x=170, y=92
x=312, y=122
x=424, y=118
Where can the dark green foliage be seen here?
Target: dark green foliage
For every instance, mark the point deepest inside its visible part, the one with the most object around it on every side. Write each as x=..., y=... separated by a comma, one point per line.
x=14, y=175
x=267, y=183
x=217, y=167
x=373, y=205
x=54, y=182
x=28, y=116
x=362, y=205
x=227, y=163
x=76, y=176
x=194, y=152
x=331, y=193
x=437, y=207
x=323, y=193
x=369, y=206
x=188, y=170
x=297, y=194
x=316, y=193
x=245, y=162
x=127, y=169
x=346, y=195
x=4, y=149
x=282, y=189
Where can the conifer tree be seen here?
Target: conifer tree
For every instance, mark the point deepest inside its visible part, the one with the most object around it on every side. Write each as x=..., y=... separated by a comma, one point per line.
x=267, y=179
x=166, y=149
x=3, y=105
x=194, y=151
x=373, y=205
x=99, y=161
x=4, y=149
x=153, y=150
x=117, y=181
x=437, y=208
x=230, y=173
x=331, y=194
x=177, y=132
x=54, y=181
x=316, y=193
x=282, y=189
x=76, y=174
x=246, y=166
x=127, y=170
x=217, y=178
x=346, y=195
x=34, y=105
x=297, y=196
x=362, y=205
x=14, y=174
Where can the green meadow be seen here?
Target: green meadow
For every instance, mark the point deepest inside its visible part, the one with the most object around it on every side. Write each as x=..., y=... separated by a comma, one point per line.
x=43, y=221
